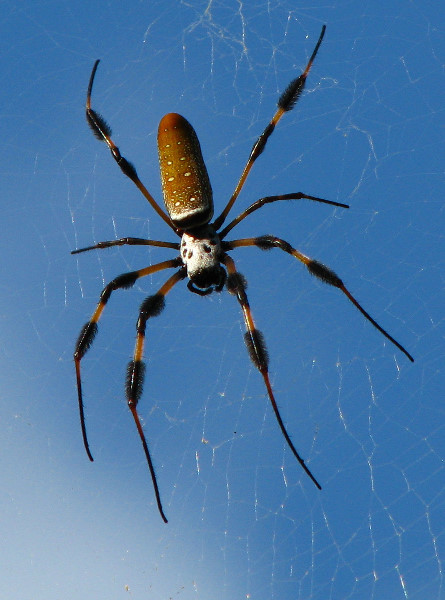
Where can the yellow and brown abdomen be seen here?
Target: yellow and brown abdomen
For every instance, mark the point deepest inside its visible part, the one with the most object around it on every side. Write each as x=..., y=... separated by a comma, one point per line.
x=186, y=186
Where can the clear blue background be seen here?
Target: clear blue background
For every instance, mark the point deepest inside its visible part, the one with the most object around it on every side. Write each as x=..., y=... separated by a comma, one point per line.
x=245, y=522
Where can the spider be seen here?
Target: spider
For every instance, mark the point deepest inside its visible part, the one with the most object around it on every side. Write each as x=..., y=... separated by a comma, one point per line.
x=203, y=251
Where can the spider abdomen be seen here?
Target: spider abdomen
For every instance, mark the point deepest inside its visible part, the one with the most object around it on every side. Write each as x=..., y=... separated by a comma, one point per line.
x=186, y=186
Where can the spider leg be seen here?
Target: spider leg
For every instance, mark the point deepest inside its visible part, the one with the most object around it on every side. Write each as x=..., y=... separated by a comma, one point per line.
x=269, y=199
x=89, y=330
x=152, y=306
x=102, y=131
x=267, y=242
x=129, y=241
x=286, y=102
x=236, y=284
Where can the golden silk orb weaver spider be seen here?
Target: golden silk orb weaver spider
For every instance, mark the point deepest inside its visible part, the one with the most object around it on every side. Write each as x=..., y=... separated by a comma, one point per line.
x=203, y=251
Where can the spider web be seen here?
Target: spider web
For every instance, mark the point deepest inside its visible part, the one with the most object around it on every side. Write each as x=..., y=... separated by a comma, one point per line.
x=244, y=520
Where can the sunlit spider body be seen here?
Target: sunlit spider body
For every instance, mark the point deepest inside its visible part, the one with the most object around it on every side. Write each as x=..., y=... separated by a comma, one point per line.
x=202, y=252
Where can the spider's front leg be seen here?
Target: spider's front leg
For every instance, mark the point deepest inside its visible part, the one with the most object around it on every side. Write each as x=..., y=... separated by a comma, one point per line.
x=89, y=330
x=151, y=307
x=236, y=285
x=321, y=271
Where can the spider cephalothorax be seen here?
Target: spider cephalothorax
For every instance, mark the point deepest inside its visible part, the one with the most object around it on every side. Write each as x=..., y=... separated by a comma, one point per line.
x=201, y=253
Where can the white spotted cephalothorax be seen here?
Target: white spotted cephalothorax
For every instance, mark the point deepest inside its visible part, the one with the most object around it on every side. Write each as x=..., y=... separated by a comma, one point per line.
x=202, y=255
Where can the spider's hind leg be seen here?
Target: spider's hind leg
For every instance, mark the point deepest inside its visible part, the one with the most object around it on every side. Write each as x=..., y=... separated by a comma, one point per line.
x=236, y=285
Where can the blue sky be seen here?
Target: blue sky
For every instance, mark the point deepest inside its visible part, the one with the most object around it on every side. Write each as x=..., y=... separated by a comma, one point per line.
x=244, y=520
